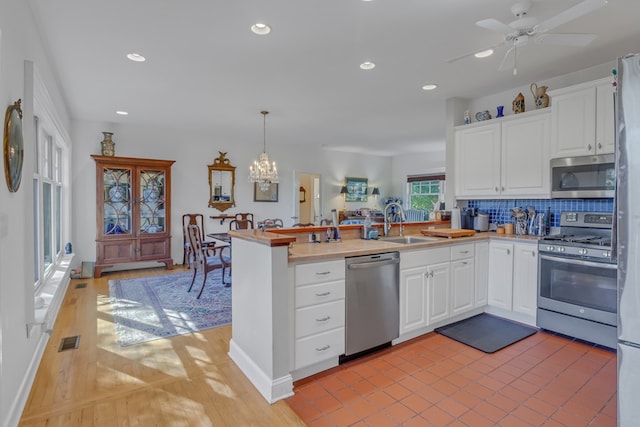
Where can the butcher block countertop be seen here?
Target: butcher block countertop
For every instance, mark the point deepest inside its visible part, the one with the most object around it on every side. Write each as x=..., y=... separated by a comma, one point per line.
x=308, y=252
x=302, y=251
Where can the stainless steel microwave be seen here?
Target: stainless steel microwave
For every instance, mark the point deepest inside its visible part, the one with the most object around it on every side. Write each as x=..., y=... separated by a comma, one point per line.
x=583, y=177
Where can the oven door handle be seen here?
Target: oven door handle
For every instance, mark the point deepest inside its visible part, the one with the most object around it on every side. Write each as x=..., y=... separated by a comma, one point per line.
x=580, y=262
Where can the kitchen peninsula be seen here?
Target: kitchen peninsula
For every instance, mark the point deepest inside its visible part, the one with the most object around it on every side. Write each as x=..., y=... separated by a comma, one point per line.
x=277, y=277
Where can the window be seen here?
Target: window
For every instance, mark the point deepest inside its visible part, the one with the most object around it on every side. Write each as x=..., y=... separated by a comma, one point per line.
x=424, y=191
x=48, y=208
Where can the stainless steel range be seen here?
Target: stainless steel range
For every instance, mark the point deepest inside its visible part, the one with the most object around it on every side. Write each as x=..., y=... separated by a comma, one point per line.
x=577, y=279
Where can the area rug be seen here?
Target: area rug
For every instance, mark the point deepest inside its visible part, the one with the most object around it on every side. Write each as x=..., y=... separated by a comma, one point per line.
x=486, y=333
x=148, y=308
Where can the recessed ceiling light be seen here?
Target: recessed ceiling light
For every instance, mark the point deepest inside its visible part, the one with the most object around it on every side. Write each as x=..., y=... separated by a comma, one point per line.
x=484, y=53
x=260, y=29
x=136, y=57
x=367, y=65
x=122, y=113
x=430, y=86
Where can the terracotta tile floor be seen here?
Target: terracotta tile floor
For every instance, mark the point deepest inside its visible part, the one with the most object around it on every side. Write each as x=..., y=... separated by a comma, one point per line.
x=432, y=380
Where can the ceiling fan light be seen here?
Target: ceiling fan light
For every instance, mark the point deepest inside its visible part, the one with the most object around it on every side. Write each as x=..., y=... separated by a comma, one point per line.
x=260, y=29
x=429, y=86
x=484, y=53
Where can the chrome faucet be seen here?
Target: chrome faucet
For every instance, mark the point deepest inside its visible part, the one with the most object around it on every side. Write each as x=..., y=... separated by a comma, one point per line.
x=387, y=225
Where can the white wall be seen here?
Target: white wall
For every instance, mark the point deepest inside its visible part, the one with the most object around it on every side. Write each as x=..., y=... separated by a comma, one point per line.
x=19, y=355
x=190, y=187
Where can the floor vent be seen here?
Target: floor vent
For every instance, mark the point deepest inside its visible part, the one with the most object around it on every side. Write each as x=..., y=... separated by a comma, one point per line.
x=81, y=285
x=69, y=343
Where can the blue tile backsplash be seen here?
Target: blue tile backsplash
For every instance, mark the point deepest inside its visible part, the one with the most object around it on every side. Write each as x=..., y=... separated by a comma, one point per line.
x=500, y=210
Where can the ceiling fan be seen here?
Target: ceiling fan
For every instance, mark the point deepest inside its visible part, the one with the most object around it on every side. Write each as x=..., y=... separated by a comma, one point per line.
x=527, y=28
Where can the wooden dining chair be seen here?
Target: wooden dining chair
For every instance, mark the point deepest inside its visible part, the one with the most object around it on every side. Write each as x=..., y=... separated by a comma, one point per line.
x=207, y=259
x=192, y=219
x=303, y=224
x=242, y=221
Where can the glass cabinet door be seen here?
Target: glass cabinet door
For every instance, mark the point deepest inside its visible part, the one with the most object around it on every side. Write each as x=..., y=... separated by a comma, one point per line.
x=117, y=201
x=152, y=201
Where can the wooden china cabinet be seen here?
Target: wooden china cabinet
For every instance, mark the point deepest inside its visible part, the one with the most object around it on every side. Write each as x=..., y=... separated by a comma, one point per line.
x=133, y=211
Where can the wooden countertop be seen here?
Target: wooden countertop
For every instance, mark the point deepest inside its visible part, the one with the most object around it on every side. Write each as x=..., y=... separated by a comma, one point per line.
x=307, y=252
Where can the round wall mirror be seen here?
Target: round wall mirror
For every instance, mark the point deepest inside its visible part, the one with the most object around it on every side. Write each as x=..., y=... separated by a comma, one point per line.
x=13, y=146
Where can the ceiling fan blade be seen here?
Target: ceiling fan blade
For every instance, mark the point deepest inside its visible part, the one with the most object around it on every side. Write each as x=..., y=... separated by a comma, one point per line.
x=578, y=40
x=495, y=25
x=468, y=54
x=506, y=55
x=570, y=14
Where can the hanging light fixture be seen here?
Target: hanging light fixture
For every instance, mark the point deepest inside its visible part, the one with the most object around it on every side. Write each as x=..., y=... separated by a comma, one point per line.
x=263, y=172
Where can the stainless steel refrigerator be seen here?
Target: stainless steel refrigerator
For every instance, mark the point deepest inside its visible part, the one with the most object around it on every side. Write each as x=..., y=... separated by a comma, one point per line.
x=628, y=239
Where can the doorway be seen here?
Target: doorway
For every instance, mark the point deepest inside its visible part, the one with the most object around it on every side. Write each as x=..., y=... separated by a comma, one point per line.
x=307, y=202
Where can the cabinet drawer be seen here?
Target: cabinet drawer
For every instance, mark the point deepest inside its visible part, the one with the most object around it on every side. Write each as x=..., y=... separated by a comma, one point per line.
x=319, y=318
x=317, y=348
x=422, y=257
x=462, y=251
x=320, y=293
x=319, y=272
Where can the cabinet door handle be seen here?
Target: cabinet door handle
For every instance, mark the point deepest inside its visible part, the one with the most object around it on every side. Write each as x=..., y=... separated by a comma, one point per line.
x=496, y=189
x=323, y=319
x=508, y=252
x=323, y=294
x=325, y=348
x=533, y=253
x=464, y=252
x=502, y=188
x=464, y=262
x=589, y=147
x=322, y=273
x=599, y=146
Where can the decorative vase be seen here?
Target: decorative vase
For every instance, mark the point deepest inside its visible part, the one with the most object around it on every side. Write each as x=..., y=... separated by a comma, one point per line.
x=500, y=109
x=108, y=146
x=540, y=96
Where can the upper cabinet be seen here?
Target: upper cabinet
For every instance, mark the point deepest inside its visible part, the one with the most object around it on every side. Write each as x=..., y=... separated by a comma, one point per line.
x=582, y=120
x=504, y=158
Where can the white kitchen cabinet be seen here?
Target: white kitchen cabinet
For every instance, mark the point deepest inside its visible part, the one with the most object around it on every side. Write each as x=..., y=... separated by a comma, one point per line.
x=319, y=317
x=525, y=157
x=481, y=276
x=462, y=278
x=525, y=278
x=419, y=282
x=413, y=299
x=478, y=160
x=582, y=120
x=462, y=272
x=513, y=280
x=438, y=292
x=504, y=159
x=500, y=274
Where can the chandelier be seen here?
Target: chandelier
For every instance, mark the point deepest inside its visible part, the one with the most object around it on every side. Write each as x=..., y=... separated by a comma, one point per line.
x=263, y=172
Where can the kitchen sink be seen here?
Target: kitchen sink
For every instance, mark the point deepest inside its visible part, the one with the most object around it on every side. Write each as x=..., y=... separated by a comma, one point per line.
x=408, y=240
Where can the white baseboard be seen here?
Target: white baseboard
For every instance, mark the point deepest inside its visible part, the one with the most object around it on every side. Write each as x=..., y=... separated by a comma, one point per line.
x=271, y=389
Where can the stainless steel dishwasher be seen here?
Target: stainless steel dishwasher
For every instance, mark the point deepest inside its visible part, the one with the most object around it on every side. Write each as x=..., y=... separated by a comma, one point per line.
x=372, y=301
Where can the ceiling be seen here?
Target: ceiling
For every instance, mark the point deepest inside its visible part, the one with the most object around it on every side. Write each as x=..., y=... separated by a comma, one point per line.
x=208, y=73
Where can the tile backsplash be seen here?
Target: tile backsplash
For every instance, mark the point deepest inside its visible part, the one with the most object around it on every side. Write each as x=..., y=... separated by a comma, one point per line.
x=500, y=210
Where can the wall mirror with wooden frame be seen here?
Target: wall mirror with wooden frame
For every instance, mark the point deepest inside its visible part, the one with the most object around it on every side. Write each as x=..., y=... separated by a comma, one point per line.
x=222, y=180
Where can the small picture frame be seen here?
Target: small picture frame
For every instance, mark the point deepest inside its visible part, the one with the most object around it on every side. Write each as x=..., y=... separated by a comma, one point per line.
x=271, y=195
x=356, y=189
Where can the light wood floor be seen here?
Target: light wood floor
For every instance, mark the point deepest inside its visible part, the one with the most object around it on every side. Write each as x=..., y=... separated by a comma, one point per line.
x=181, y=381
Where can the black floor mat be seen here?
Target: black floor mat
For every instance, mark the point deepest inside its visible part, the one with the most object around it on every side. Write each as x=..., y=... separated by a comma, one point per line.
x=486, y=332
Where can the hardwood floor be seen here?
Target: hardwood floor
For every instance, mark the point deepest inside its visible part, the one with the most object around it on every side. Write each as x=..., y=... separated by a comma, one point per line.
x=186, y=380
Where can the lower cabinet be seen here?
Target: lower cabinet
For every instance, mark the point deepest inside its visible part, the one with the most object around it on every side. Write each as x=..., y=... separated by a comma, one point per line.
x=513, y=280
x=319, y=312
x=441, y=283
